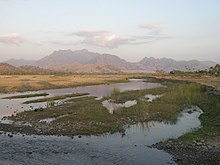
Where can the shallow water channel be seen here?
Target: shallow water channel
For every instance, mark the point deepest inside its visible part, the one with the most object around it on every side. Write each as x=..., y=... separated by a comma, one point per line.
x=132, y=148
x=129, y=148
x=12, y=106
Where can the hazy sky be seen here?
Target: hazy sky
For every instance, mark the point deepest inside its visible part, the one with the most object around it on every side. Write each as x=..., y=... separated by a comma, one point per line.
x=131, y=29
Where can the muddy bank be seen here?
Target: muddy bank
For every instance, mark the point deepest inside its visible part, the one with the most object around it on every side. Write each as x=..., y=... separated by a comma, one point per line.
x=14, y=129
x=195, y=153
x=212, y=90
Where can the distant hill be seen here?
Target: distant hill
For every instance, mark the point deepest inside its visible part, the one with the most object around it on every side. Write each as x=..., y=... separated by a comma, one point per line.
x=7, y=69
x=84, y=61
x=20, y=62
x=36, y=70
x=64, y=57
x=168, y=64
x=113, y=60
x=87, y=68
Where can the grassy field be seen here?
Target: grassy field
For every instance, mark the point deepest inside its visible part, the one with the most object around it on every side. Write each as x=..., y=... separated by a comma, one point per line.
x=22, y=83
x=202, y=79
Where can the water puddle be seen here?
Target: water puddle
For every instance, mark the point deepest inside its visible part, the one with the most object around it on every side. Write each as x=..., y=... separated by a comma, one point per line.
x=111, y=107
x=150, y=97
x=48, y=120
x=7, y=121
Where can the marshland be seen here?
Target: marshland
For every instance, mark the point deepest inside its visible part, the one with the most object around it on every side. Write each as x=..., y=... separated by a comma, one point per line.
x=144, y=112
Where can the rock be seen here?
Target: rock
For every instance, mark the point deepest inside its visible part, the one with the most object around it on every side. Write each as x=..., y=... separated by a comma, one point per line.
x=194, y=110
x=189, y=112
x=9, y=135
x=199, y=144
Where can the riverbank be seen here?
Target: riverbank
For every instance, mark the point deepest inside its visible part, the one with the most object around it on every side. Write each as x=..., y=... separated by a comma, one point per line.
x=194, y=153
x=211, y=81
x=201, y=146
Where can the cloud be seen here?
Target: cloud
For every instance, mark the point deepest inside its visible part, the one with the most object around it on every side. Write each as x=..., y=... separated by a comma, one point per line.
x=89, y=33
x=108, y=39
x=101, y=38
x=39, y=43
x=65, y=43
x=13, y=1
x=12, y=38
x=113, y=41
x=155, y=30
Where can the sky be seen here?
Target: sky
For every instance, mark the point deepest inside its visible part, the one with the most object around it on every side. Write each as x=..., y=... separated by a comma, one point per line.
x=130, y=29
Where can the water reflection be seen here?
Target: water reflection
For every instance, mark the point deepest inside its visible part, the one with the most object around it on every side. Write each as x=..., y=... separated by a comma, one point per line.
x=107, y=149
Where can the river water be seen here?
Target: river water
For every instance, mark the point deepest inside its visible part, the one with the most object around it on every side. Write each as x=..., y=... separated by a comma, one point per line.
x=13, y=106
x=130, y=148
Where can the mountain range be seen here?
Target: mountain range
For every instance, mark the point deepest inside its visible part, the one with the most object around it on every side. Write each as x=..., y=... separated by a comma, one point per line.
x=84, y=61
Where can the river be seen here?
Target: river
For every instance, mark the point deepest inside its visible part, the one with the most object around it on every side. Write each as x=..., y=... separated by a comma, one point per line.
x=133, y=147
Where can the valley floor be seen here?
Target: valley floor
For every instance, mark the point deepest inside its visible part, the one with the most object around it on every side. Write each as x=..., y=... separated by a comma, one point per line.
x=87, y=116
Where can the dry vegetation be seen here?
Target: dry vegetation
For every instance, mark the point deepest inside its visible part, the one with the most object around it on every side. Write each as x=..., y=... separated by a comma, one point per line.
x=21, y=83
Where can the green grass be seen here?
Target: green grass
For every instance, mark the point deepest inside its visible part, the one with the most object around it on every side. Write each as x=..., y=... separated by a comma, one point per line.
x=26, y=96
x=184, y=94
x=121, y=97
x=83, y=116
x=210, y=120
x=177, y=96
x=49, y=99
